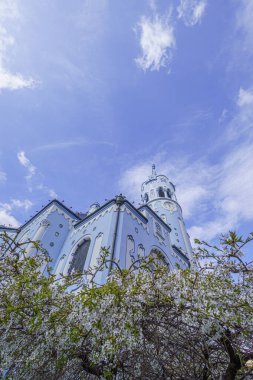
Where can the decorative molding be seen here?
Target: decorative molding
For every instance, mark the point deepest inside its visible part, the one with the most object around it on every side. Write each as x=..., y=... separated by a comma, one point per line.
x=45, y=223
x=91, y=221
x=70, y=220
x=134, y=217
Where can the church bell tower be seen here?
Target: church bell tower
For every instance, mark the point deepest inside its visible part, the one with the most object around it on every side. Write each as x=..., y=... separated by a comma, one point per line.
x=159, y=194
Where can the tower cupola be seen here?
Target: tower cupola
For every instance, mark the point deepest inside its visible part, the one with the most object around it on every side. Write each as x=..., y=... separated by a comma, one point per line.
x=157, y=186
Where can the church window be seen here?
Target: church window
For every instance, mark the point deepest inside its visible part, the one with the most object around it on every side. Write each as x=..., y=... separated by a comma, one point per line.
x=161, y=192
x=79, y=257
x=141, y=250
x=146, y=197
x=177, y=251
x=57, y=233
x=51, y=244
x=159, y=230
x=60, y=225
x=130, y=251
x=159, y=257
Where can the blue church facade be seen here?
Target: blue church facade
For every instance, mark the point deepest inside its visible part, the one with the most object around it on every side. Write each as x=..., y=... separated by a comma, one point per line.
x=74, y=241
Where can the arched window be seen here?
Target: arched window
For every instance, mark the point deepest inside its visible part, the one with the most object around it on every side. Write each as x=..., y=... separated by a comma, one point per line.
x=168, y=193
x=159, y=257
x=79, y=257
x=130, y=248
x=141, y=250
x=158, y=229
x=96, y=249
x=146, y=197
x=161, y=192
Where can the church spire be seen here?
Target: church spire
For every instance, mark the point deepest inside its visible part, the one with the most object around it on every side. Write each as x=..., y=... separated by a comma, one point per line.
x=153, y=170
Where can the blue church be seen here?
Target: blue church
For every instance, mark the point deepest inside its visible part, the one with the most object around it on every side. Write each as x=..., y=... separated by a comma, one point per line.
x=74, y=240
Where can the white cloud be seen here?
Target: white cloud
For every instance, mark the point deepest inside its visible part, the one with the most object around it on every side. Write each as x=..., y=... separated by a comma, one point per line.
x=207, y=231
x=245, y=26
x=131, y=180
x=9, y=15
x=6, y=209
x=245, y=97
x=2, y=177
x=191, y=11
x=156, y=41
x=50, y=192
x=9, y=9
x=7, y=219
x=242, y=122
x=25, y=204
x=14, y=81
x=35, y=179
x=24, y=161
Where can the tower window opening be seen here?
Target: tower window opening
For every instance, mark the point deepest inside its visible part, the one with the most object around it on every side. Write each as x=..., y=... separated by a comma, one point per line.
x=161, y=192
x=146, y=197
x=168, y=193
x=79, y=257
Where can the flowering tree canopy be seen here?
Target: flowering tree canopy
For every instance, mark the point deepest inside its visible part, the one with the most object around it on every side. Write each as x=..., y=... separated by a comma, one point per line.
x=144, y=323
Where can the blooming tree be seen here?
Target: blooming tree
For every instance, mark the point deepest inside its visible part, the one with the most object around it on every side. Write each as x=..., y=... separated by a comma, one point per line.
x=144, y=323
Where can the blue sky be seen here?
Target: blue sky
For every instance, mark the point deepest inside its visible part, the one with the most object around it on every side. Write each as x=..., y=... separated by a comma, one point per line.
x=93, y=92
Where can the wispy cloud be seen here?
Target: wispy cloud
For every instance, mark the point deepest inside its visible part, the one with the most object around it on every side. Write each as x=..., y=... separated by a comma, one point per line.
x=25, y=204
x=241, y=124
x=2, y=177
x=157, y=42
x=24, y=161
x=9, y=15
x=70, y=144
x=14, y=81
x=34, y=178
x=156, y=33
x=245, y=26
x=191, y=11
